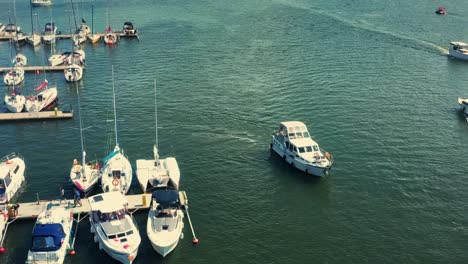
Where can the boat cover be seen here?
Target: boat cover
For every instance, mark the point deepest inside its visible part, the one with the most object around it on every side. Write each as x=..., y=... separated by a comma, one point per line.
x=166, y=196
x=47, y=237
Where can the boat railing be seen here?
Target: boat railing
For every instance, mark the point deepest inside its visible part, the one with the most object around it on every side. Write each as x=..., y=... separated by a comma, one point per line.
x=9, y=157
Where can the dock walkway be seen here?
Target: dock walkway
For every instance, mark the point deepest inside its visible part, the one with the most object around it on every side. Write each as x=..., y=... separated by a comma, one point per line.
x=33, y=209
x=35, y=116
x=38, y=68
x=69, y=36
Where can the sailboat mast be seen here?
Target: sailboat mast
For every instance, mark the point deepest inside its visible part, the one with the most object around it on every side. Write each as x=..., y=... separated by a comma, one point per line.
x=155, y=115
x=115, y=108
x=81, y=130
x=92, y=19
x=32, y=21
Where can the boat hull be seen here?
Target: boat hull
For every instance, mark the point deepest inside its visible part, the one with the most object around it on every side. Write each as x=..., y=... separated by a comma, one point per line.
x=458, y=55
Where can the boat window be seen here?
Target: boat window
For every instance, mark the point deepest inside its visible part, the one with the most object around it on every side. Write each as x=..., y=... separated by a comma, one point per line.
x=117, y=215
x=290, y=147
x=112, y=236
x=116, y=174
x=7, y=180
x=299, y=135
x=121, y=235
x=16, y=170
x=306, y=134
x=2, y=187
x=292, y=136
x=302, y=150
x=309, y=149
x=130, y=232
x=316, y=148
x=43, y=242
x=287, y=144
x=295, y=149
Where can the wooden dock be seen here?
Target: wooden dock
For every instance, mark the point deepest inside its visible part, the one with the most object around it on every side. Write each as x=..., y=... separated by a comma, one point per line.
x=38, y=68
x=69, y=36
x=35, y=116
x=33, y=209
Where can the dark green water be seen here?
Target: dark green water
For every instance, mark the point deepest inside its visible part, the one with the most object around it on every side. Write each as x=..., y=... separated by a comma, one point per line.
x=369, y=78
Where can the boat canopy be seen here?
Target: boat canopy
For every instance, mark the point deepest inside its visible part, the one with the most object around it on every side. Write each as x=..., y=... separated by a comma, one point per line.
x=107, y=202
x=166, y=196
x=47, y=237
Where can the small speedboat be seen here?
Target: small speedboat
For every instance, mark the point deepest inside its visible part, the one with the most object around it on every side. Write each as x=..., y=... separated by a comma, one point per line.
x=117, y=172
x=113, y=227
x=41, y=2
x=51, y=236
x=12, y=169
x=158, y=172
x=15, y=102
x=463, y=102
x=129, y=29
x=293, y=143
x=73, y=73
x=20, y=60
x=441, y=11
x=45, y=98
x=165, y=221
x=458, y=50
x=14, y=76
x=50, y=33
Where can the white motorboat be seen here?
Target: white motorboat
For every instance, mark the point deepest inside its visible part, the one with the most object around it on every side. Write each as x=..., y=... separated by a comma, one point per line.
x=157, y=172
x=15, y=102
x=86, y=174
x=50, y=33
x=293, y=143
x=12, y=169
x=463, y=102
x=113, y=227
x=458, y=50
x=73, y=73
x=20, y=60
x=129, y=29
x=45, y=98
x=51, y=236
x=14, y=76
x=165, y=221
x=41, y=2
x=117, y=172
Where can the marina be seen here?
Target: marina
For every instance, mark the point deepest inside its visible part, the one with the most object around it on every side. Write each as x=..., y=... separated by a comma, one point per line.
x=297, y=128
x=26, y=116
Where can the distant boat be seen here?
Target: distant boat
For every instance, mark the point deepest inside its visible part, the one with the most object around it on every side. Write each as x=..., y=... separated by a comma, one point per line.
x=441, y=11
x=129, y=29
x=165, y=221
x=463, y=102
x=34, y=39
x=157, y=172
x=20, y=60
x=14, y=76
x=293, y=143
x=15, y=102
x=110, y=38
x=458, y=50
x=50, y=33
x=41, y=2
x=51, y=236
x=73, y=72
x=113, y=226
x=12, y=169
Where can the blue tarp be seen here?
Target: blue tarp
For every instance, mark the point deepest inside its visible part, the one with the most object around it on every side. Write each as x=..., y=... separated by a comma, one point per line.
x=166, y=196
x=47, y=237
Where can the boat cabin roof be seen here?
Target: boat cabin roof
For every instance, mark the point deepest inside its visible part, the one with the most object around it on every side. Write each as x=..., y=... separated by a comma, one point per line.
x=294, y=125
x=303, y=142
x=458, y=43
x=4, y=170
x=107, y=202
x=166, y=196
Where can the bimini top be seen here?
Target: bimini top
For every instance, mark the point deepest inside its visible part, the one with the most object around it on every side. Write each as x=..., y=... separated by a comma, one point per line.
x=166, y=196
x=294, y=126
x=47, y=237
x=107, y=202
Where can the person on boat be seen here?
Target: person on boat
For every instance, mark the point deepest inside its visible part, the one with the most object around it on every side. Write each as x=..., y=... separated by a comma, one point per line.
x=77, y=198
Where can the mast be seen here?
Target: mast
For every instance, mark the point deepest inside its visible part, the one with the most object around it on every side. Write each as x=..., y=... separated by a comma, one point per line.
x=155, y=148
x=83, y=157
x=32, y=21
x=92, y=19
x=115, y=109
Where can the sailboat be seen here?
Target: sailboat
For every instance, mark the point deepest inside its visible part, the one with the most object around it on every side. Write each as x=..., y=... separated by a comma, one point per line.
x=86, y=175
x=117, y=172
x=110, y=37
x=44, y=98
x=15, y=75
x=73, y=72
x=157, y=172
x=15, y=101
x=93, y=37
x=34, y=39
x=50, y=33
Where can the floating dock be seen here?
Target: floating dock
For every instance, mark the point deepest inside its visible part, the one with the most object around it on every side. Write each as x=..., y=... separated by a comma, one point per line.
x=35, y=116
x=69, y=36
x=38, y=68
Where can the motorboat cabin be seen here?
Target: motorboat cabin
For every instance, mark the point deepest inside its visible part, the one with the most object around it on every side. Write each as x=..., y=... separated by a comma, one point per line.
x=12, y=169
x=292, y=141
x=113, y=227
x=458, y=50
x=129, y=29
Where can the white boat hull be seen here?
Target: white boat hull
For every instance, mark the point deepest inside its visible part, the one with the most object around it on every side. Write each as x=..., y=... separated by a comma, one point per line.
x=110, y=182
x=84, y=179
x=163, y=242
x=73, y=73
x=41, y=101
x=15, y=104
x=17, y=177
x=14, y=77
x=458, y=54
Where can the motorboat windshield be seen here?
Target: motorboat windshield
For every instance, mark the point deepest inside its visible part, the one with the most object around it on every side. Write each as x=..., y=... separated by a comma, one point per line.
x=107, y=217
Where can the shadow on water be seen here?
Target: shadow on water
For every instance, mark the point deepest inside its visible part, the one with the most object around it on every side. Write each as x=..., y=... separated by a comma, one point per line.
x=282, y=168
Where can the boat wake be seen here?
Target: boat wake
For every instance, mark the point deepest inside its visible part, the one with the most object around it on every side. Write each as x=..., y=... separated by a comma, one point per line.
x=402, y=39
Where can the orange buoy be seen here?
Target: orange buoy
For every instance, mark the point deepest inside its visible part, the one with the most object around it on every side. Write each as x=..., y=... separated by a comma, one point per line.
x=2, y=250
x=72, y=252
x=195, y=241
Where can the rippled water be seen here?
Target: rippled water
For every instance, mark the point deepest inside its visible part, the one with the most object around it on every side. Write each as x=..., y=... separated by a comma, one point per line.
x=371, y=79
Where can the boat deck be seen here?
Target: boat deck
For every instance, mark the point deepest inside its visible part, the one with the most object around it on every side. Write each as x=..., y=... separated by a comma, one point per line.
x=35, y=116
